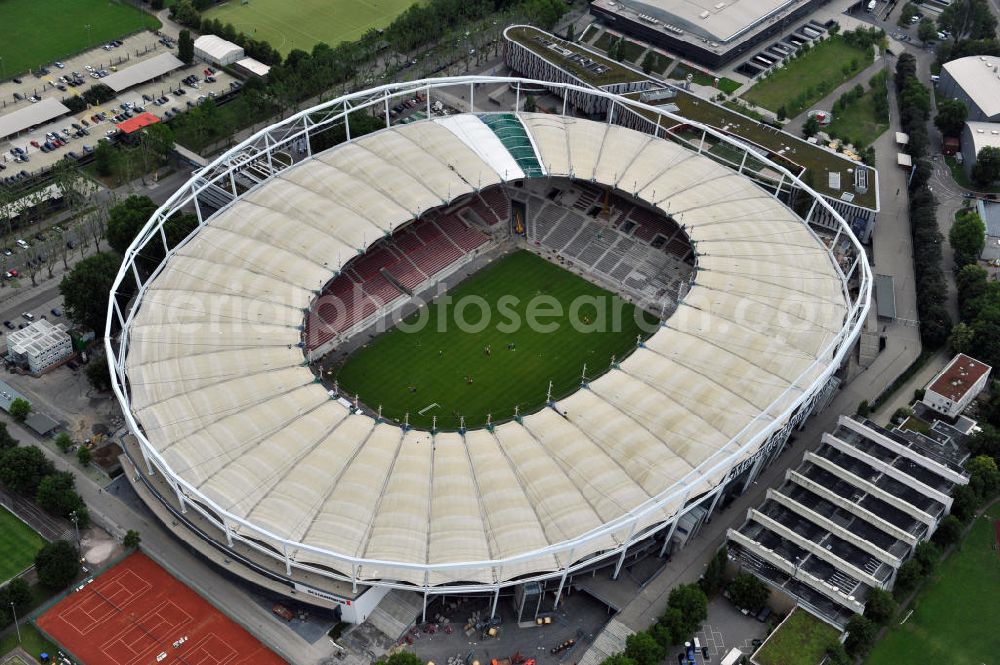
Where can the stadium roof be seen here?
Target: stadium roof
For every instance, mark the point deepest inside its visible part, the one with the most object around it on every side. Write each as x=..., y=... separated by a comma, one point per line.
x=136, y=123
x=224, y=398
x=147, y=70
x=979, y=77
x=793, y=151
x=31, y=115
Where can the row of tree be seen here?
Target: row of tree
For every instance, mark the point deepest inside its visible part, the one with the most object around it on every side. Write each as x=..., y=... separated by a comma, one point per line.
x=931, y=287
x=687, y=609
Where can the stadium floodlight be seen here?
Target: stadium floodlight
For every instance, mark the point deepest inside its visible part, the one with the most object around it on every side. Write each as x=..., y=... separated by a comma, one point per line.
x=225, y=457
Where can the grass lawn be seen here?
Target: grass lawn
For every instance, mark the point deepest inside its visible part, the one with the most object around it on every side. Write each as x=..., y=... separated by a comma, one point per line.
x=631, y=51
x=660, y=62
x=304, y=23
x=32, y=641
x=36, y=32
x=959, y=176
x=857, y=122
x=18, y=545
x=589, y=34
x=822, y=63
x=604, y=41
x=801, y=640
x=955, y=618
x=700, y=77
x=437, y=363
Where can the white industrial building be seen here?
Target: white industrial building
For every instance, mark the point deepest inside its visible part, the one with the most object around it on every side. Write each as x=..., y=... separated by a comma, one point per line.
x=975, y=81
x=954, y=387
x=40, y=346
x=975, y=137
x=217, y=50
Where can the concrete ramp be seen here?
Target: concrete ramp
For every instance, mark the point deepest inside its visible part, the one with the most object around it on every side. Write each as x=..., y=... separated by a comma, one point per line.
x=396, y=613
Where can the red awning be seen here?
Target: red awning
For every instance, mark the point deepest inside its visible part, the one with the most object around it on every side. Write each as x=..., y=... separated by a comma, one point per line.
x=138, y=122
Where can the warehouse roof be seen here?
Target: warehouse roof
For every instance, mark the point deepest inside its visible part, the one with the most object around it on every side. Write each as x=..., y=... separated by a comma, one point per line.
x=718, y=21
x=983, y=135
x=147, y=70
x=31, y=115
x=217, y=48
x=236, y=414
x=979, y=77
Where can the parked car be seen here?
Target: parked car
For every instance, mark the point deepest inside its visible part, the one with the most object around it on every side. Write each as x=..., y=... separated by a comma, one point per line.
x=28, y=315
x=10, y=274
x=56, y=311
x=9, y=325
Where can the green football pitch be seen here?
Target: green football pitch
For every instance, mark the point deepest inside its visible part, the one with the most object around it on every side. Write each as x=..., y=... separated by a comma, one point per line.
x=37, y=32
x=304, y=23
x=432, y=365
x=955, y=617
x=18, y=545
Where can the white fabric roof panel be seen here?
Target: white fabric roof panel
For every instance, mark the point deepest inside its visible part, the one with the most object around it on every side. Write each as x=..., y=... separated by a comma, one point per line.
x=31, y=115
x=147, y=70
x=219, y=386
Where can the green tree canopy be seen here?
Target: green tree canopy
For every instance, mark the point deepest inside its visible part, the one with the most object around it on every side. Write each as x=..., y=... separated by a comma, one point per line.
x=85, y=289
x=967, y=237
x=57, y=564
x=748, y=592
x=127, y=218
x=63, y=441
x=693, y=605
x=861, y=635
x=98, y=373
x=84, y=456
x=185, y=47
x=951, y=117
x=6, y=440
x=20, y=409
x=22, y=469
x=880, y=606
x=949, y=531
x=968, y=18
x=402, y=658
x=131, y=539
x=986, y=170
x=927, y=30
x=907, y=578
x=57, y=494
x=644, y=649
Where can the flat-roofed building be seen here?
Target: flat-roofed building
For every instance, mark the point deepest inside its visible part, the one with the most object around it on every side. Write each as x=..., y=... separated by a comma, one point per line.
x=975, y=81
x=143, y=72
x=706, y=31
x=40, y=346
x=954, y=387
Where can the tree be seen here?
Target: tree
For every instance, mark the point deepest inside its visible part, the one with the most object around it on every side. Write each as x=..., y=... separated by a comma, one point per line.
x=20, y=409
x=964, y=502
x=570, y=32
x=85, y=289
x=126, y=219
x=131, y=539
x=57, y=494
x=63, y=442
x=57, y=564
x=99, y=374
x=811, y=126
x=949, y=531
x=951, y=117
x=967, y=237
x=961, y=338
x=907, y=578
x=837, y=655
x=711, y=581
x=968, y=18
x=927, y=30
x=402, y=658
x=880, y=606
x=6, y=440
x=927, y=555
x=643, y=649
x=984, y=479
x=618, y=659
x=648, y=61
x=987, y=167
x=861, y=635
x=83, y=455
x=864, y=409
x=987, y=440
x=748, y=592
x=22, y=469
x=185, y=47
x=693, y=605
x=671, y=628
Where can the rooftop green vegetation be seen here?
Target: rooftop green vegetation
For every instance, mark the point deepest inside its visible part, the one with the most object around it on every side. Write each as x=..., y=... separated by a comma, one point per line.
x=801, y=640
x=36, y=33
x=617, y=73
x=812, y=73
x=954, y=619
x=478, y=353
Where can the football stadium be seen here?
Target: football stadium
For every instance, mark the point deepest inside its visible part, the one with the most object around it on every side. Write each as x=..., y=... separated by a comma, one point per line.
x=473, y=353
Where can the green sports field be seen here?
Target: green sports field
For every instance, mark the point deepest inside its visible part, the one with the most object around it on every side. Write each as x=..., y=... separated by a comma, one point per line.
x=428, y=367
x=955, y=620
x=18, y=545
x=304, y=23
x=36, y=32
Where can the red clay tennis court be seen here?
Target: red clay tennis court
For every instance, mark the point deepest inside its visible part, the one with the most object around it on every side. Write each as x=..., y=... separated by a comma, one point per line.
x=138, y=613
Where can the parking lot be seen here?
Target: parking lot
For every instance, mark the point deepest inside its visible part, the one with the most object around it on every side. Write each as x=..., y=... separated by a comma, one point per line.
x=80, y=132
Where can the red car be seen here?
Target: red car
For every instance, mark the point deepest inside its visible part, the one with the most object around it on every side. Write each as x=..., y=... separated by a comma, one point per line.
x=35, y=143
x=11, y=274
